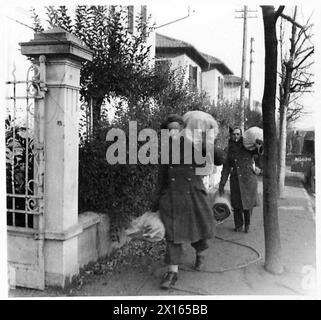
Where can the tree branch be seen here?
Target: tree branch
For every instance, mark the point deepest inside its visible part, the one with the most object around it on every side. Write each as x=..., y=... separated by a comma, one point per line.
x=291, y=20
x=278, y=12
x=300, y=86
x=302, y=51
x=293, y=113
x=295, y=97
x=298, y=65
x=301, y=32
x=302, y=73
x=301, y=81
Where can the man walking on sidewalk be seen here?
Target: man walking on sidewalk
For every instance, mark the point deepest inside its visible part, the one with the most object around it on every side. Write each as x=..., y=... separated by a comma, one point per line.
x=240, y=166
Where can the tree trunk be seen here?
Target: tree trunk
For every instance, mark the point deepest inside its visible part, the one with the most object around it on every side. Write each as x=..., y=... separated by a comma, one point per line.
x=284, y=101
x=282, y=150
x=287, y=70
x=270, y=210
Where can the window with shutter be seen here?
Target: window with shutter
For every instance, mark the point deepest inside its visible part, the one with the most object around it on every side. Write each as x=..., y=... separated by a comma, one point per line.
x=195, y=78
x=190, y=77
x=220, y=86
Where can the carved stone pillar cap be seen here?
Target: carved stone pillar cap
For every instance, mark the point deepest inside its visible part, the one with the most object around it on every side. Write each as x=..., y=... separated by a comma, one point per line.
x=56, y=41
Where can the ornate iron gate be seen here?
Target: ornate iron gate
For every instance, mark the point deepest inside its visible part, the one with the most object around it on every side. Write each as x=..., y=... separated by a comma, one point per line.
x=25, y=164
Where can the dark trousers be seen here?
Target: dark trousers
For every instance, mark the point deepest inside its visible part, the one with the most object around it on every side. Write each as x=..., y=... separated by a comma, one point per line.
x=238, y=217
x=174, y=251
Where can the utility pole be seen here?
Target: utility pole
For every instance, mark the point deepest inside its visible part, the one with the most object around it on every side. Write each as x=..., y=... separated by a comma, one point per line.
x=250, y=77
x=245, y=16
x=243, y=66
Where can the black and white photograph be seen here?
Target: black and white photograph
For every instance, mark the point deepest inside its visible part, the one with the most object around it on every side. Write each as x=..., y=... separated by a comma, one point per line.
x=160, y=150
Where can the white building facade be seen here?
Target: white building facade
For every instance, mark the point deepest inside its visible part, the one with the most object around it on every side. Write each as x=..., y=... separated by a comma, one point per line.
x=204, y=72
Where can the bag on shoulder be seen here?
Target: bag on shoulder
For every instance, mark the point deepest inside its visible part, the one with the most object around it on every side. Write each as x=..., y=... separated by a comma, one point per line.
x=249, y=137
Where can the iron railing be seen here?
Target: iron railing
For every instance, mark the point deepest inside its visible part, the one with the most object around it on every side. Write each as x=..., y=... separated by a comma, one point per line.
x=25, y=161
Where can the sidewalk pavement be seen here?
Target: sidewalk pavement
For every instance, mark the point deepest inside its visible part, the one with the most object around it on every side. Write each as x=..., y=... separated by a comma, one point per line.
x=298, y=241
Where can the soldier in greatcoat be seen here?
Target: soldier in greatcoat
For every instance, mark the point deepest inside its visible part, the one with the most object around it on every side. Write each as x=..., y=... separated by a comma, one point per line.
x=240, y=166
x=183, y=203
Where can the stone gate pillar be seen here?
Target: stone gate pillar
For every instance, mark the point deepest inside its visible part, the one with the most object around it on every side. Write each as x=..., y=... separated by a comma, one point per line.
x=63, y=53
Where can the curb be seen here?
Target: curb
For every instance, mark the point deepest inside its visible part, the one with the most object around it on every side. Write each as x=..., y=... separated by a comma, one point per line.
x=309, y=200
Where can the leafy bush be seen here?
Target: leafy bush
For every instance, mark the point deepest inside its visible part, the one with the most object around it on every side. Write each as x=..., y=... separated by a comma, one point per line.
x=120, y=59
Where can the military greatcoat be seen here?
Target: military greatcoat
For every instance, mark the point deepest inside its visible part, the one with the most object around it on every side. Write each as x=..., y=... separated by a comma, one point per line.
x=243, y=179
x=183, y=202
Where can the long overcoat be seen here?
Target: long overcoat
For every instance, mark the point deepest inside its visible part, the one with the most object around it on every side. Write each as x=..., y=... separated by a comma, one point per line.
x=243, y=179
x=183, y=202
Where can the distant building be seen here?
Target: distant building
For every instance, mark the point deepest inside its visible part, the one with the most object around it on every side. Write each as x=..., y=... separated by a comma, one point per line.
x=181, y=55
x=232, y=87
x=256, y=106
x=213, y=78
x=202, y=71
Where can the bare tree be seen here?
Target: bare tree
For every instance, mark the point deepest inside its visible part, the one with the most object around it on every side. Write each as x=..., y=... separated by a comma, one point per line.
x=295, y=81
x=273, y=262
x=294, y=112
